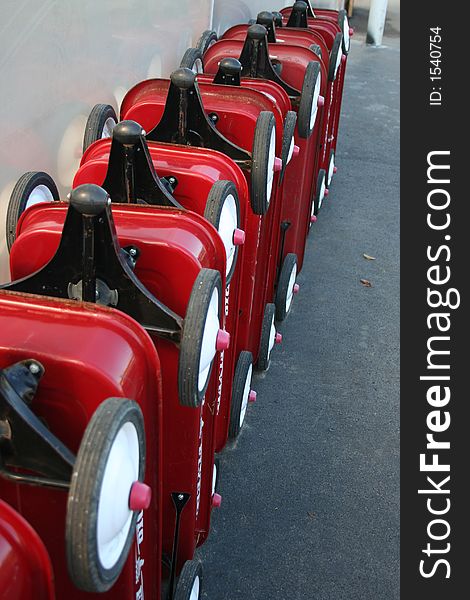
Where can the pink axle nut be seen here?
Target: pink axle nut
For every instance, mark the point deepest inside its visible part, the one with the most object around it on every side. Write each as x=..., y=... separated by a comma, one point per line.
x=335, y=169
x=343, y=59
x=296, y=288
x=313, y=219
x=216, y=500
x=238, y=237
x=321, y=101
x=277, y=164
x=296, y=151
x=327, y=191
x=252, y=396
x=351, y=31
x=140, y=496
x=222, y=341
x=278, y=338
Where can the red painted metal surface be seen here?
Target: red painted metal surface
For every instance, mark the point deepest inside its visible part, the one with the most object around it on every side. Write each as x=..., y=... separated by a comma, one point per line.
x=300, y=180
x=196, y=170
x=90, y=353
x=238, y=110
x=25, y=567
x=175, y=245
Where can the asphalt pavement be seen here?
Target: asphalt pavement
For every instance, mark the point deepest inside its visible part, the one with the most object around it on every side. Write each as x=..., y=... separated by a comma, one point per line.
x=311, y=488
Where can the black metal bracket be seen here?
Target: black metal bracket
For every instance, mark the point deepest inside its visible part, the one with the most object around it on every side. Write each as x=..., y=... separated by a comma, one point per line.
x=266, y=19
x=229, y=72
x=255, y=60
x=185, y=122
x=131, y=177
x=180, y=499
x=284, y=227
x=25, y=442
x=89, y=265
x=299, y=15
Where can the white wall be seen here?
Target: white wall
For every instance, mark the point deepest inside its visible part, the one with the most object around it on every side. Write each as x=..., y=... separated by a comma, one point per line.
x=60, y=57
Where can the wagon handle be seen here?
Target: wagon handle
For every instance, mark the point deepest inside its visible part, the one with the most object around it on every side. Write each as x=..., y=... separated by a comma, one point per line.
x=185, y=122
x=131, y=176
x=255, y=60
x=26, y=443
x=299, y=15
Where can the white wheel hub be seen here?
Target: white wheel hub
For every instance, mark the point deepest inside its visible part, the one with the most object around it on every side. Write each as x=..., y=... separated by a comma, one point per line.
x=195, y=589
x=291, y=151
x=272, y=337
x=246, y=394
x=290, y=288
x=209, y=339
x=331, y=168
x=108, y=127
x=321, y=194
x=270, y=166
x=41, y=193
x=114, y=515
x=228, y=222
x=316, y=96
x=214, y=478
x=346, y=36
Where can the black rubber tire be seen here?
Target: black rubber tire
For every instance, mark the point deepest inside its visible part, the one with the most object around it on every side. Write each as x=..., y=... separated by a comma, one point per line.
x=83, y=560
x=307, y=98
x=99, y=114
x=289, y=128
x=206, y=40
x=191, y=339
x=260, y=163
x=342, y=15
x=264, y=357
x=214, y=204
x=318, y=204
x=192, y=59
x=337, y=47
x=282, y=289
x=19, y=197
x=191, y=569
x=245, y=361
x=316, y=48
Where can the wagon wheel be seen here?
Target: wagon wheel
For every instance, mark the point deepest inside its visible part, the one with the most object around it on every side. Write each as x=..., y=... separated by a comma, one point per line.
x=207, y=39
x=201, y=339
x=269, y=337
x=189, y=585
x=106, y=495
x=30, y=189
x=286, y=287
x=192, y=59
x=223, y=211
x=241, y=393
x=100, y=124
x=264, y=160
x=309, y=99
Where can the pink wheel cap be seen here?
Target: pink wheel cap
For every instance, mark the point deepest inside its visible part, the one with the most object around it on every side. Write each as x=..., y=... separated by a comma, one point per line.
x=327, y=191
x=344, y=58
x=216, y=500
x=335, y=169
x=296, y=288
x=140, y=496
x=238, y=237
x=252, y=396
x=321, y=101
x=277, y=164
x=313, y=219
x=278, y=338
x=351, y=31
x=223, y=340
x=296, y=151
